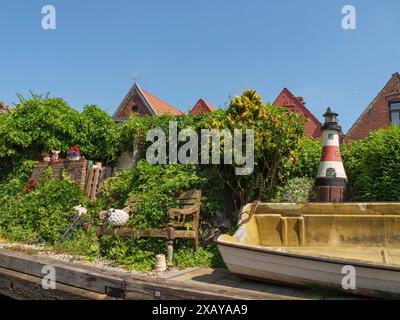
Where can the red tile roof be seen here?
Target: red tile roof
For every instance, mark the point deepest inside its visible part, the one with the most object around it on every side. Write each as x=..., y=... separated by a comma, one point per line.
x=201, y=107
x=287, y=99
x=159, y=106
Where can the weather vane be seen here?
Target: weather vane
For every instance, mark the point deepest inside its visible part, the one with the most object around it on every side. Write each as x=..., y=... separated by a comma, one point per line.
x=135, y=76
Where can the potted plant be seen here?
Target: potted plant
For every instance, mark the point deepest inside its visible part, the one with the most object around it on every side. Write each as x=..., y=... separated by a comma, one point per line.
x=74, y=153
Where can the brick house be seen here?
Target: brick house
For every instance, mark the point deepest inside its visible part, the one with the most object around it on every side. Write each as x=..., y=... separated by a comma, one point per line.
x=383, y=111
x=202, y=107
x=287, y=99
x=143, y=103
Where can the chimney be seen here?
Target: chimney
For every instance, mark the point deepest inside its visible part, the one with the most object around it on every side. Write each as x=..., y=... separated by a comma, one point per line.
x=301, y=99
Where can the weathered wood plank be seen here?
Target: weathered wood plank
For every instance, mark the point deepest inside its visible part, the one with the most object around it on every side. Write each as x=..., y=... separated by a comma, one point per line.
x=95, y=184
x=71, y=274
x=173, y=290
x=74, y=280
x=21, y=286
x=89, y=181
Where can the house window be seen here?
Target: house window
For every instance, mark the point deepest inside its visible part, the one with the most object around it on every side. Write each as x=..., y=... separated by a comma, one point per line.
x=394, y=108
x=331, y=136
x=135, y=108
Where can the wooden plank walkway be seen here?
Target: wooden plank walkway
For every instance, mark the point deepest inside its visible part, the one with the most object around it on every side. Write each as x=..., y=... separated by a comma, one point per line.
x=21, y=277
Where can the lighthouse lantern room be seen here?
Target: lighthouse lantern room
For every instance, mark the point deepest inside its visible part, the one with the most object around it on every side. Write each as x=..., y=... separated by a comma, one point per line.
x=330, y=184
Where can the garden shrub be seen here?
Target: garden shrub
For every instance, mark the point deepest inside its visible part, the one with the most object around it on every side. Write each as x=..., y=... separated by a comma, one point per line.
x=373, y=166
x=154, y=189
x=39, y=212
x=309, y=159
x=278, y=136
x=299, y=189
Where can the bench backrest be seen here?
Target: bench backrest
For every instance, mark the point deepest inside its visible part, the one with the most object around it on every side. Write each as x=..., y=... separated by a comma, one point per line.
x=190, y=198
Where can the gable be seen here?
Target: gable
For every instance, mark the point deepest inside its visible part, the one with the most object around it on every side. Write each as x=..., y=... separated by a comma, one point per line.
x=312, y=127
x=202, y=107
x=377, y=115
x=142, y=103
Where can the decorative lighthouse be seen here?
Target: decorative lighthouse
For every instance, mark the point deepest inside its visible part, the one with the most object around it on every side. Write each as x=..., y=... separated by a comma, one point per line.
x=330, y=184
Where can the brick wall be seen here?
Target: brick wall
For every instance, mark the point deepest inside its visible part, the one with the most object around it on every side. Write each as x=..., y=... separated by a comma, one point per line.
x=138, y=106
x=75, y=170
x=377, y=115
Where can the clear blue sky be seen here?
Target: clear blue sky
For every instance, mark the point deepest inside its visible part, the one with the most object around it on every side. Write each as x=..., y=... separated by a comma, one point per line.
x=184, y=50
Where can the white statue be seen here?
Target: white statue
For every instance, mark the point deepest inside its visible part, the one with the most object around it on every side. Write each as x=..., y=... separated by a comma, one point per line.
x=55, y=158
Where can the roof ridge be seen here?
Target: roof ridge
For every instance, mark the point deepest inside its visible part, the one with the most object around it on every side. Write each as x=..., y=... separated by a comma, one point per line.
x=300, y=102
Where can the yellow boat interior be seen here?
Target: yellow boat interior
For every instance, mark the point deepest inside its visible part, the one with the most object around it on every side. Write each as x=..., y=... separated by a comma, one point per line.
x=367, y=232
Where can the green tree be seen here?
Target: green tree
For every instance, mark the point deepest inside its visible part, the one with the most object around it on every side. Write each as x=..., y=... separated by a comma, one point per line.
x=278, y=135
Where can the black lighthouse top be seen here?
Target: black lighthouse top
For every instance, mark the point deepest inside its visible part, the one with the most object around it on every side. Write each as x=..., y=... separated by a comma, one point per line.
x=331, y=121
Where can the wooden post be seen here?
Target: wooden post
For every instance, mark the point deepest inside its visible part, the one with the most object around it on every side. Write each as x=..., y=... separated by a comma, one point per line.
x=170, y=241
x=89, y=181
x=170, y=251
x=95, y=183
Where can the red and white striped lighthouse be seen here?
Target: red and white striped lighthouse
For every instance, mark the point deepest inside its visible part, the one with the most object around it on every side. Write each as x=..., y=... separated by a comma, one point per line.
x=330, y=184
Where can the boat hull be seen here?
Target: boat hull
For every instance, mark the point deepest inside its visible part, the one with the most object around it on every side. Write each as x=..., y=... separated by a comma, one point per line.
x=351, y=247
x=294, y=269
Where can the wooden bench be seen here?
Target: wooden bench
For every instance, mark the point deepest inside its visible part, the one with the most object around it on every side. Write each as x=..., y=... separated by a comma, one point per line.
x=178, y=219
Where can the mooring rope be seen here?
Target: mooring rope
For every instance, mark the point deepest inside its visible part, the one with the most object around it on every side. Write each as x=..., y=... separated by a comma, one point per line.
x=249, y=213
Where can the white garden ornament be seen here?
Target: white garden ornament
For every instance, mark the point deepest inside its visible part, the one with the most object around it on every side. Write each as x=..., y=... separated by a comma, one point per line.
x=117, y=217
x=80, y=210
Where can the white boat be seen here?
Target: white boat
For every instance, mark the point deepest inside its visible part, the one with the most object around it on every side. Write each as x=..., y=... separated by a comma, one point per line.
x=349, y=246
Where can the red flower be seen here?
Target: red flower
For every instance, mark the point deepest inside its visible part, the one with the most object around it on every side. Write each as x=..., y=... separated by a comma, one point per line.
x=75, y=148
x=27, y=190
x=32, y=182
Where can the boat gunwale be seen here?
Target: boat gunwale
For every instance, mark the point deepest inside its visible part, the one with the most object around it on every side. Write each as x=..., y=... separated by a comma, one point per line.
x=289, y=209
x=356, y=263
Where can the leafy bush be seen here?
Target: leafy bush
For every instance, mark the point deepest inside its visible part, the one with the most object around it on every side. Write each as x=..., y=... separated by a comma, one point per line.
x=139, y=254
x=373, y=166
x=41, y=124
x=154, y=189
x=300, y=189
x=278, y=136
x=38, y=213
x=309, y=159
